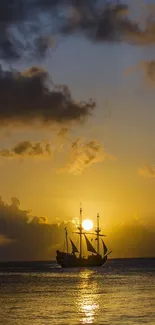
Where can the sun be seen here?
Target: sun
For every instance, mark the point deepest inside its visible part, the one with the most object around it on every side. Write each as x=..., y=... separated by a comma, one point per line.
x=87, y=224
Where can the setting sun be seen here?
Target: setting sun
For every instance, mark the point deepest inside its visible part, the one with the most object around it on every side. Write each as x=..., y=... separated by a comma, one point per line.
x=87, y=224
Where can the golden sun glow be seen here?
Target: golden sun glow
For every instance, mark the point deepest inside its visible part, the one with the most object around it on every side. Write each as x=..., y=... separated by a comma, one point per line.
x=87, y=224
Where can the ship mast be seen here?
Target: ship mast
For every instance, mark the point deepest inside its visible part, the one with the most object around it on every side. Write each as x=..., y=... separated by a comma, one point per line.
x=98, y=234
x=66, y=233
x=80, y=231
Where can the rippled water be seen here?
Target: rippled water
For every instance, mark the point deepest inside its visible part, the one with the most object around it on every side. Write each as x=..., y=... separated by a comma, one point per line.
x=122, y=292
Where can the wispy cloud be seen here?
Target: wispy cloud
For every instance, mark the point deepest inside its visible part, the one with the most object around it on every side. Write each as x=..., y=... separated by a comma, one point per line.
x=84, y=154
x=5, y=240
x=148, y=68
x=28, y=149
x=147, y=171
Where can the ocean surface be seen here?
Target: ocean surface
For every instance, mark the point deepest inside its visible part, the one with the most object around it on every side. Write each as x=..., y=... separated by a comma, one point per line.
x=120, y=293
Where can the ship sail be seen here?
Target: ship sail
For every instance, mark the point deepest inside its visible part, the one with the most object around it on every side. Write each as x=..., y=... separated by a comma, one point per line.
x=74, y=248
x=90, y=248
x=105, y=249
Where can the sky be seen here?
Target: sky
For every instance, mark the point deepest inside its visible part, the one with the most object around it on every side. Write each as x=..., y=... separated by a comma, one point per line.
x=90, y=143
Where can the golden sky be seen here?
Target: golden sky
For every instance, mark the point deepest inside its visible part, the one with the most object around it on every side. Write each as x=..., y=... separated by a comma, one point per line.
x=77, y=114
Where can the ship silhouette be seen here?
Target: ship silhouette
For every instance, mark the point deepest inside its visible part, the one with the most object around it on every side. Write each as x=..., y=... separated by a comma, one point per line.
x=76, y=258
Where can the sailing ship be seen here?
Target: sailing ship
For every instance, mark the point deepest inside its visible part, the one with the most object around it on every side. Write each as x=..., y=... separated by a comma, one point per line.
x=76, y=258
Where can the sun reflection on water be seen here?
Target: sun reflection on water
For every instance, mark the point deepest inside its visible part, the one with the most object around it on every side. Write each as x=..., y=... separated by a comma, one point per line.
x=87, y=301
x=88, y=310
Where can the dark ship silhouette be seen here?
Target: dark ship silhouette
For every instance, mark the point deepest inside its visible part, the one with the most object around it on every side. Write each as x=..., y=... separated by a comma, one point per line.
x=75, y=258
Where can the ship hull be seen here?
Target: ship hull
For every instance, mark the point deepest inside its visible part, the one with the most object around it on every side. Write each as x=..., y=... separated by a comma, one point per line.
x=71, y=260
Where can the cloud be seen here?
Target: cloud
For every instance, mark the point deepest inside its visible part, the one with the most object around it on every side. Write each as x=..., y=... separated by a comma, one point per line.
x=147, y=171
x=27, y=237
x=140, y=244
x=107, y=23
x=29, y=96
x=28, y=149
x=102, y=21
x=111, y=22
x=4, y=240
x=29, y=26
x=12, y=15
x=84, y=154
x=80, y=154
x=148, y=68
x=63, y=132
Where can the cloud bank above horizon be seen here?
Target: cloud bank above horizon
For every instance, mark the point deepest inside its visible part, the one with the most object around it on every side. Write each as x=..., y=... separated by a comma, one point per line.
x=27, y=237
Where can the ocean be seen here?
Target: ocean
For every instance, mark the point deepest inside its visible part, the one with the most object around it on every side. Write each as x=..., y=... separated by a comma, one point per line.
x=122, y=292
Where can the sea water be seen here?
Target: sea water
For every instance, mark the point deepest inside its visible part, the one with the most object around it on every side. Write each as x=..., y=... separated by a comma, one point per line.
x=120, y=293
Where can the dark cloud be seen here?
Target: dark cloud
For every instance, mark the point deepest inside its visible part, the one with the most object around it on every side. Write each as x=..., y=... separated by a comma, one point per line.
x=12, y=13
x=28, y=26
x=29, y=96
x=83, y=154
x=109, y=23
x=102, y=20
x=27, y=237
x=28, y=149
